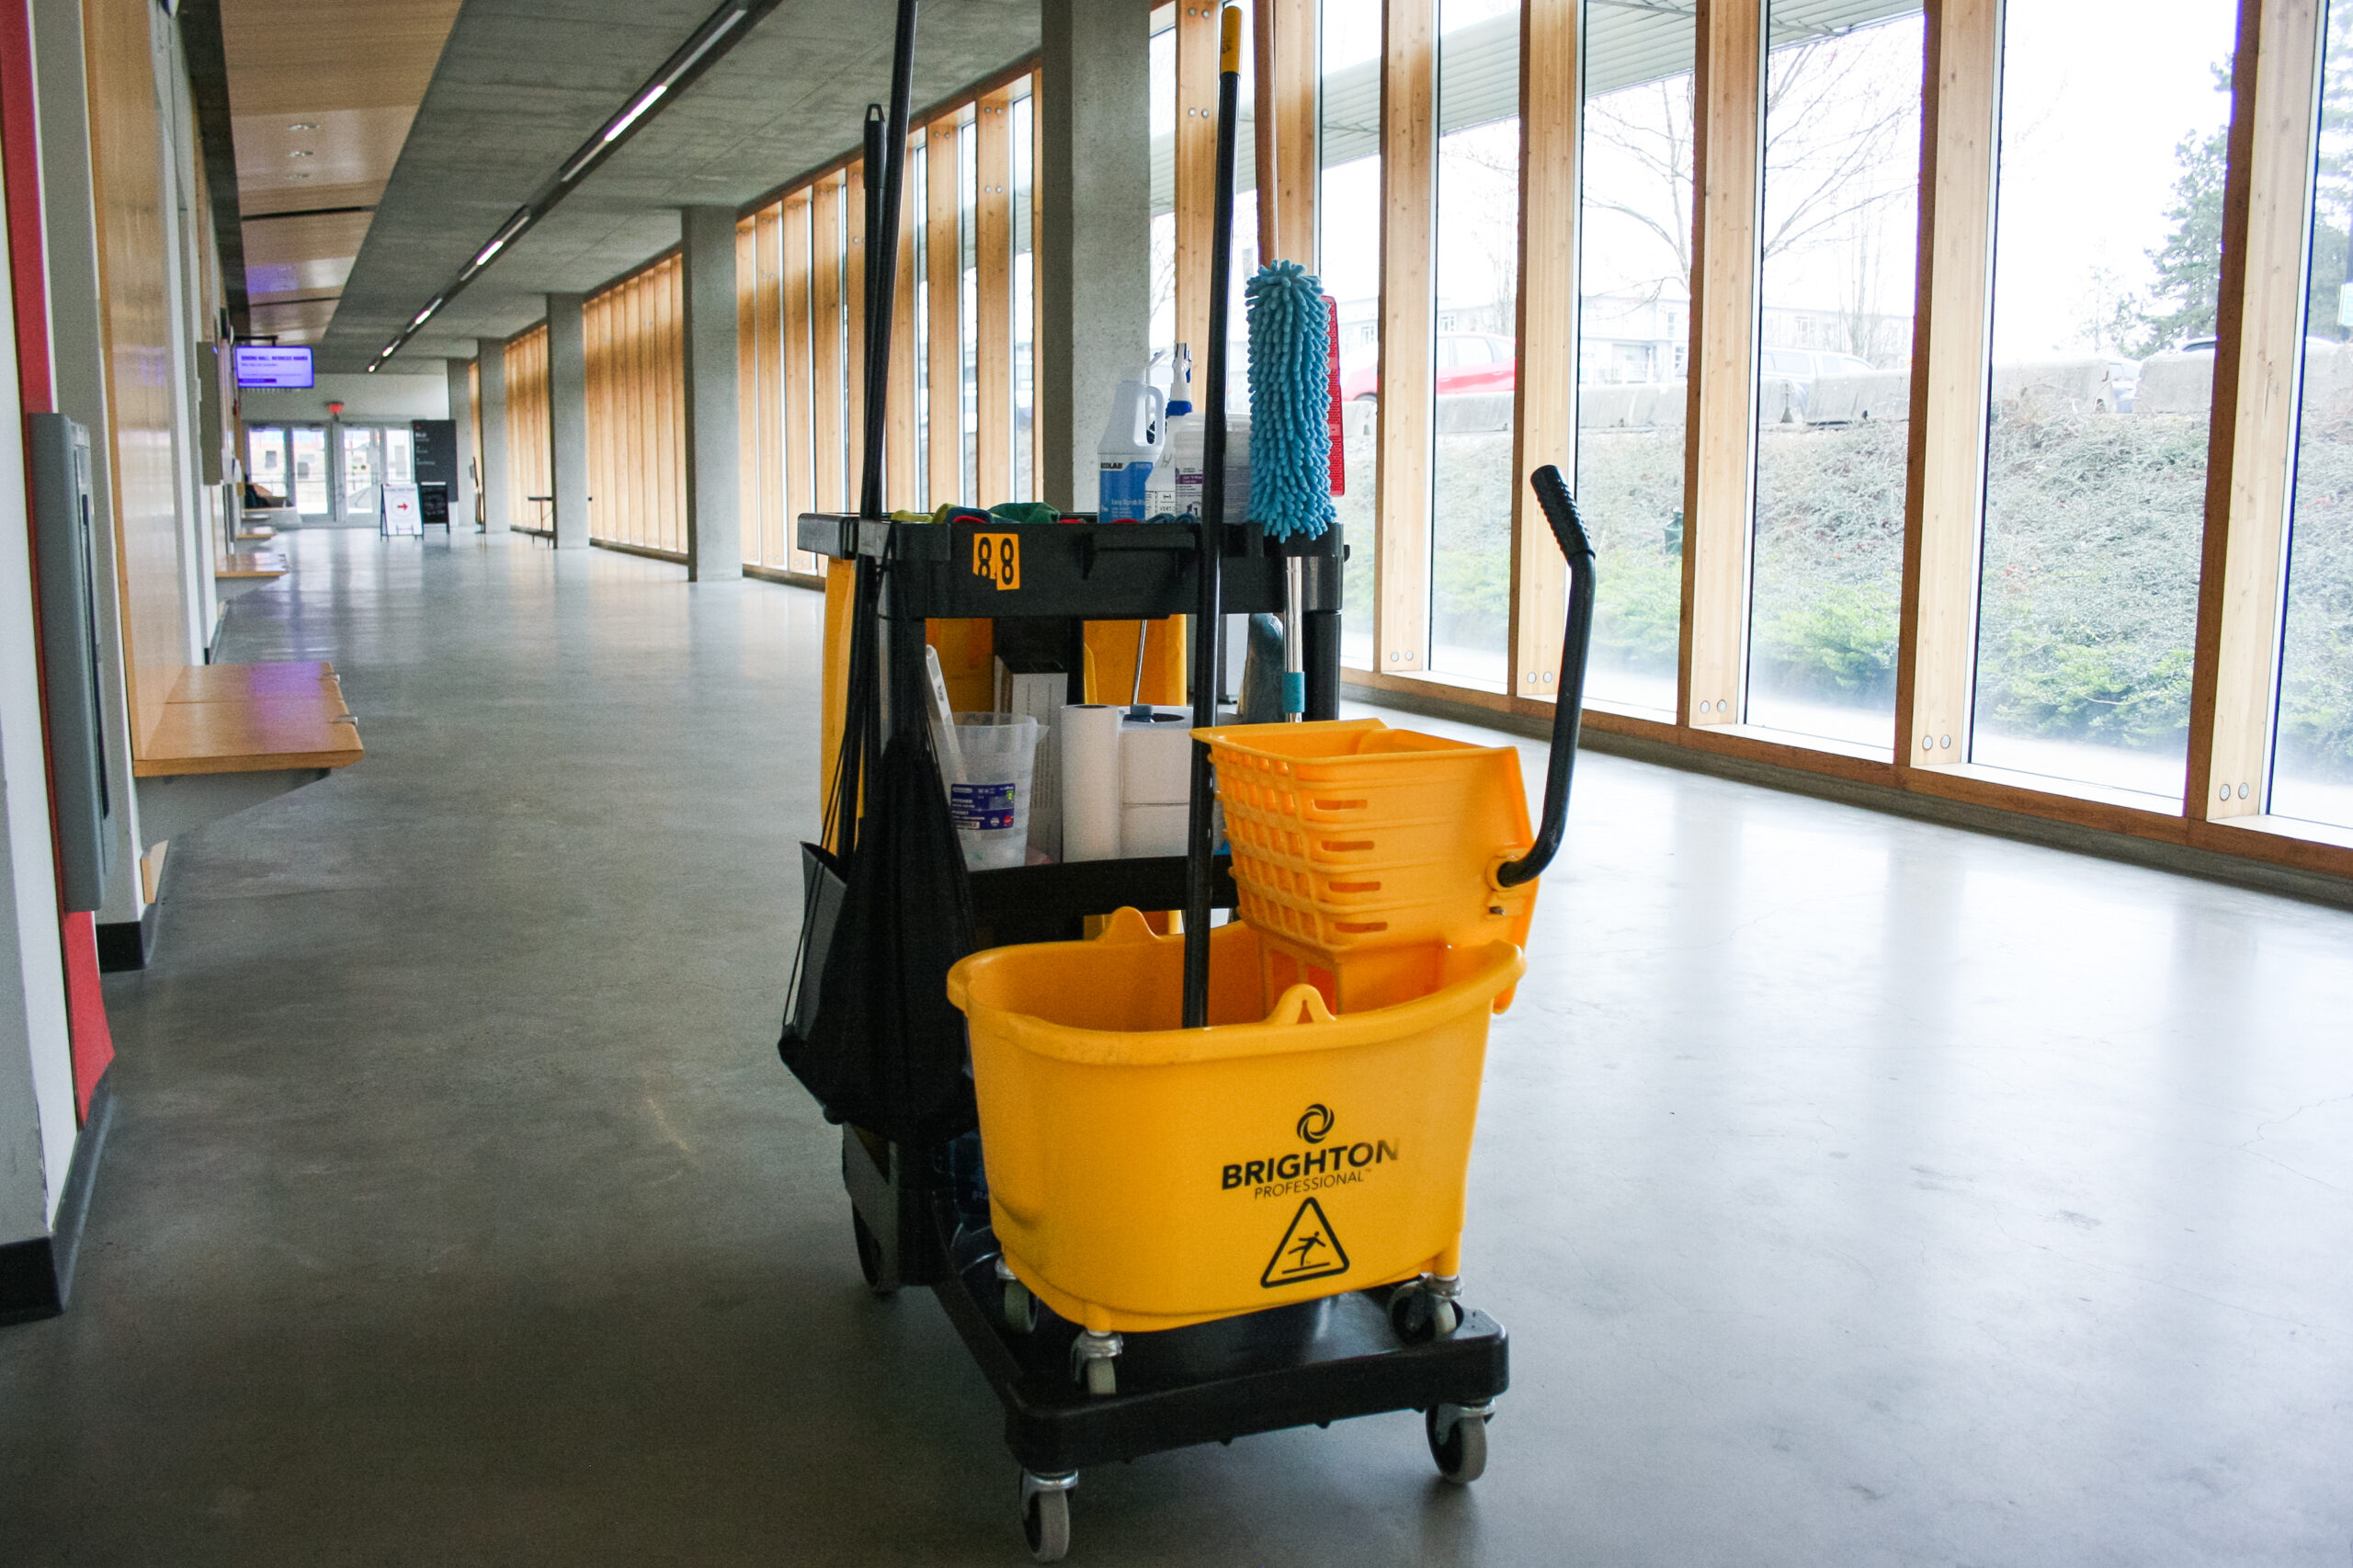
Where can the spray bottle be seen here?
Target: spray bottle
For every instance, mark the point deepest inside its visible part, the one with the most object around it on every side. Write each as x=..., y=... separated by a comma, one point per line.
x=1132, y=441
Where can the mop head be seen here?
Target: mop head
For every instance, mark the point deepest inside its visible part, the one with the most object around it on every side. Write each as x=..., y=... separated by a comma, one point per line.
x=1290, y=404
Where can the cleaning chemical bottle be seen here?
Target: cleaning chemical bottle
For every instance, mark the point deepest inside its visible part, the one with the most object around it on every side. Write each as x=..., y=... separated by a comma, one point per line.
x=1184, y=429
x=1133, y=442
x=1178, y=490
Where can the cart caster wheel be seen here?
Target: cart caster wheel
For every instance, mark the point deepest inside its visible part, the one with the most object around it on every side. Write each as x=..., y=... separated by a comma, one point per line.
x=1045, y=1515
x=1020, y=1307
x=1419, y=1317
x=1093, y=1359
x=1458, y=1440
x=870, y=1257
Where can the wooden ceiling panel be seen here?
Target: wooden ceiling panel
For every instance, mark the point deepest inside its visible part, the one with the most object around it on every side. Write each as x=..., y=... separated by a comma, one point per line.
x=290, y=56
x=321, y=99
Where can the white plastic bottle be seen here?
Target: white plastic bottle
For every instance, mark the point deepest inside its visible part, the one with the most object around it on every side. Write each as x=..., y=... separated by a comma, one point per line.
x=1178, y=481
x=1132, y=441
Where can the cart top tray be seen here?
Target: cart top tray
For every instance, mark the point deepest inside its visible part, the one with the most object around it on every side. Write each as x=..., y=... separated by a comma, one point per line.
x=1083, y=570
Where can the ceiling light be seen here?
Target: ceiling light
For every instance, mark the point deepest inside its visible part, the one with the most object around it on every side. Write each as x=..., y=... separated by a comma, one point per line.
x=645, y=101
x=302, y=153
x=303, y=125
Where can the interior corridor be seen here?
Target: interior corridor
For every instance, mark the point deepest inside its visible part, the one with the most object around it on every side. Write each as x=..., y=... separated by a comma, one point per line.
x=1855, y=1189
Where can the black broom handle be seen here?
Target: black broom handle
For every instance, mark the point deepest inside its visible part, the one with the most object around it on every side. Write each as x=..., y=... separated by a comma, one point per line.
x=1208, y=648
x=886, y=162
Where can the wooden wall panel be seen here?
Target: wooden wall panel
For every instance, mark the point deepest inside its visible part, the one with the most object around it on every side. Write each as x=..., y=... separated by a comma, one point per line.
x=136, y=323
x=1727, y=182
x=943, y=266
x=1196, y=165
x=899, y=487
x=992, y=253
x=779, y=403
x=1402, y=473
x=529, y=455
x=753, y=389
x=1944, y=501
x=854, y=336
x=635, y=332
x=1544, y=411
x=800, y=351
x=831, y=489
x=2260, y=331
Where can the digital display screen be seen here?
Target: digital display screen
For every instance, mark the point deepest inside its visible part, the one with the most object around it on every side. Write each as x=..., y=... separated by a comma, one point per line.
x=266, y=365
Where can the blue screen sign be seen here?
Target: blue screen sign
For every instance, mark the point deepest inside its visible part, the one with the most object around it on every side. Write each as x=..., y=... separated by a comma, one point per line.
x=266, y=365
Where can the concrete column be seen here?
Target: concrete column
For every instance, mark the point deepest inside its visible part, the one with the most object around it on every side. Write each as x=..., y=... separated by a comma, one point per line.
x=714, y=443
x=462, y=411
x=491, y=354
x=1095, y=241
x=568, y=419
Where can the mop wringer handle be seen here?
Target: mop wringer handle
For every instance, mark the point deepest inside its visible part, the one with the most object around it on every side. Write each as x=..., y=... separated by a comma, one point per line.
x=1568, y=712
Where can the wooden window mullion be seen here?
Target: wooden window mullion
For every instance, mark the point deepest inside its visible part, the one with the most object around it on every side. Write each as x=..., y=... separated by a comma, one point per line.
x=1402, y=471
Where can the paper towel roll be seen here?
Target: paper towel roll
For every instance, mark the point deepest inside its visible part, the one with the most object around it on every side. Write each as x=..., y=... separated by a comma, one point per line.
x=1153, y=830
x=1156, y=760
x=1090, y=737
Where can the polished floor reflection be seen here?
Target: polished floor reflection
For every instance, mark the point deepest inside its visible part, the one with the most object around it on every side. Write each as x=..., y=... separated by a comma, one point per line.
x=1855, y=1190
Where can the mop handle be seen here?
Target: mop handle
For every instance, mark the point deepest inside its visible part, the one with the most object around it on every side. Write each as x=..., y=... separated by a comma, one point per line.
x=1568, y=698
x=1208, y=652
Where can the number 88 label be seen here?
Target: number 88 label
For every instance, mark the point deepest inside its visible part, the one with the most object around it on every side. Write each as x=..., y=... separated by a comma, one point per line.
x=996, y=558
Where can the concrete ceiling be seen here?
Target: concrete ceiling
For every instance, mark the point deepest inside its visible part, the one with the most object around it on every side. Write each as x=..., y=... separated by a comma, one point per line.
x=523, y=82
x=320, y=100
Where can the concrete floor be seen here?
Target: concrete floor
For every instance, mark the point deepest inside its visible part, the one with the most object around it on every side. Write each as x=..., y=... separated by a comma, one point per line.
x=1857, y=1190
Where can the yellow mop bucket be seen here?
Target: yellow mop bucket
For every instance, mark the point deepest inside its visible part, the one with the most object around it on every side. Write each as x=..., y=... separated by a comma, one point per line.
x=1146, y=1177
x=1358, y=850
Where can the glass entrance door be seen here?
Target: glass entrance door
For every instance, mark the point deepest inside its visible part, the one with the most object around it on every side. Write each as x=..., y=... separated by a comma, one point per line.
x=312, y=493
x=372, y=457
x=266, y=461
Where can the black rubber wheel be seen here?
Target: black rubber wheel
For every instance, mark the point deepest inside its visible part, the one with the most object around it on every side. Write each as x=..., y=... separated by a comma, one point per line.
x=1020, y=1307
x=1045, y=1520
x=1461, y=1454
x=869, y=1255
x=1419, y=1317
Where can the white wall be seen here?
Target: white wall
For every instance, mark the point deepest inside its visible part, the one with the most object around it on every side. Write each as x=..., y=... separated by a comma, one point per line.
x=365, y=399
x=37, y=1118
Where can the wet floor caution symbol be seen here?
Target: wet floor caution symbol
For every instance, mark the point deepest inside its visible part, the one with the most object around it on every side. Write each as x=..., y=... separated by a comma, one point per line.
x=1310, y=1250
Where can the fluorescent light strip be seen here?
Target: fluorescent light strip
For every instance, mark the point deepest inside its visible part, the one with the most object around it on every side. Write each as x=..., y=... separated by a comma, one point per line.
x=650, y=95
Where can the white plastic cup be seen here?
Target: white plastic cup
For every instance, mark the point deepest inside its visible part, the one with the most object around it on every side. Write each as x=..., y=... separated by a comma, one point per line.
x=990, y=801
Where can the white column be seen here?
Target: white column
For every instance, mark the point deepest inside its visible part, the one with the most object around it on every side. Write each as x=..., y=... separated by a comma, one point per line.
x=714, y=443
x=568, y=419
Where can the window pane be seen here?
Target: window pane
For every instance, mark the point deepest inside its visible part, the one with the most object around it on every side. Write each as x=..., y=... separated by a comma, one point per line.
x=1024, y=333
x=2312, y=767
x=310, y=444
x=1634, y=337
x=1842, y=164
x=2108, y=247
x=1477, y=284
x=1347, y=217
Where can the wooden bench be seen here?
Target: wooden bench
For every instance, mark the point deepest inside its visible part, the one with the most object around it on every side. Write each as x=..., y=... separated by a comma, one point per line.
x=234, y=735
x=249, y=565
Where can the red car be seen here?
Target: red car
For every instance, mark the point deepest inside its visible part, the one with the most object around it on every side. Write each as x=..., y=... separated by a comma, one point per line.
x=1467, y=362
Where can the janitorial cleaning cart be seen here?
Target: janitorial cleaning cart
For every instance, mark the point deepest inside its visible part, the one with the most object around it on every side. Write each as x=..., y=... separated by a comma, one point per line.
x=1175, y=1180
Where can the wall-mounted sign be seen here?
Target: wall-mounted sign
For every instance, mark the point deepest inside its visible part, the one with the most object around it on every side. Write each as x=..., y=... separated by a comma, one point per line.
x=268, y=365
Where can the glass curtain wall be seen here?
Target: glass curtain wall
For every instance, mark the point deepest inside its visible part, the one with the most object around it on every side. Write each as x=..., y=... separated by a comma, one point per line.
x=2312, y=757
x=968, y=294
x=1473, y=355
x=2107, y=264
x=1348, y=220
x=1025, y=315
x=1633, y=341
x=1834, y=390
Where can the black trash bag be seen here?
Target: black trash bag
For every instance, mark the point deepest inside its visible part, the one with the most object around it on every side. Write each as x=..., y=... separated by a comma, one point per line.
x=885, y=1049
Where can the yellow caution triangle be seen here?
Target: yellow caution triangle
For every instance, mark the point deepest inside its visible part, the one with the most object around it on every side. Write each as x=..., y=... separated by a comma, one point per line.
x=1310, y=1250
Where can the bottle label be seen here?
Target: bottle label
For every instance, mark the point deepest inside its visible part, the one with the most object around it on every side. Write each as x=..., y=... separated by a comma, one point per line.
x=981, y=808
x=1119, y=490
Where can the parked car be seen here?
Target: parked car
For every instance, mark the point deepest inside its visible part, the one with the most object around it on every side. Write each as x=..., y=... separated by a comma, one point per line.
x=1800, y=367
x=1467, y=362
